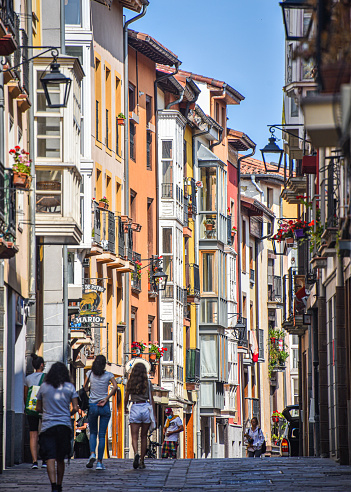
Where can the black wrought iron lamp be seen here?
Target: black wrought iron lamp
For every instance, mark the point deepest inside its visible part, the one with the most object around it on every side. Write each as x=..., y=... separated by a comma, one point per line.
x=272, y=154
x=240, y=329
x=52, y=83
x=305, y=9
x=159, y=279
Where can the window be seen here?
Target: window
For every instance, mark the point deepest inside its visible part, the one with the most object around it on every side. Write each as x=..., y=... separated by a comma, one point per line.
x=167, y=335
x=48, y=123
x=209, y=190
x=150, y=242
x=98, y=132
x=118, y=109
x=108, y=111
x=295, y=358
x=131, y=98
x=148, y=109
x=148, y=150
x=132, y=132
x=208, y=272
x=208, y=356
x=73, y=11
x=294, y=107
x=244, y=246
x=167, y=169
x=70, y=269
x=269, y=197
x=76, y=51
x=166, y=240
x=48, y=191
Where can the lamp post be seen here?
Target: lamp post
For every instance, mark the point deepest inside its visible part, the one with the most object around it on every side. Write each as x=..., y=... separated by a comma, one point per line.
x=301, y=8
x=272, y=154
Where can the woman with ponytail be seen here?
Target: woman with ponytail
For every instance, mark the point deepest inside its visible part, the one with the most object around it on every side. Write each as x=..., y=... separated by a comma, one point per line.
x=99, y=407
x=34, y=379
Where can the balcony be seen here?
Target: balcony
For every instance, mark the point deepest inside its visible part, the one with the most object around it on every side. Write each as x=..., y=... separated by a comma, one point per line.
x=274, y=288
x=193, y=282
x=7, y=215
x=167, y=190
x=213, y=311
x=192, y=366
x=9, y=28
x=136, y=274
x=211, y=398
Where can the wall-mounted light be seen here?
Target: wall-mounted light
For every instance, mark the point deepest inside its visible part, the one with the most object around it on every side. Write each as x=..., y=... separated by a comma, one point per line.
x=52, y=83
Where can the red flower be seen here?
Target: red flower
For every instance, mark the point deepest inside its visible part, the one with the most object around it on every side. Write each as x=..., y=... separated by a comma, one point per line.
x=17, y=147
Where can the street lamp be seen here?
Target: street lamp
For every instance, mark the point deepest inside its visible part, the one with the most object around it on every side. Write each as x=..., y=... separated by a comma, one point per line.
x=159, y=279
x=51, y=83
x=303, y=9
x=272, y=154
x=240, y=329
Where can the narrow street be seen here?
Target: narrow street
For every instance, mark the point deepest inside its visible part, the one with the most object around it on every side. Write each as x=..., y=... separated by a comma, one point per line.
x=286, y=474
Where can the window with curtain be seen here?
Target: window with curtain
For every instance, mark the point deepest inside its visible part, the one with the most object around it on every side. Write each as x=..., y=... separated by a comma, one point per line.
x=73, y=12
x=209, y=356
x=208, y=272
x=209, y=190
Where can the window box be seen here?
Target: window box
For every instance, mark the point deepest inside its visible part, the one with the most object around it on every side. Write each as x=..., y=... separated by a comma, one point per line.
x=21, y=180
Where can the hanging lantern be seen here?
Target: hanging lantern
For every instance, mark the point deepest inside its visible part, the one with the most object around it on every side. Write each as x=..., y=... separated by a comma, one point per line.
x=52, y=82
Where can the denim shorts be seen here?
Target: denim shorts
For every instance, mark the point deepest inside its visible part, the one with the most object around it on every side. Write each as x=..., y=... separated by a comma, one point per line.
x=140, y=413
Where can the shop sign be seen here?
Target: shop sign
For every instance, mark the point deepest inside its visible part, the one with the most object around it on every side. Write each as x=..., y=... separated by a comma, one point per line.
x=90, y=307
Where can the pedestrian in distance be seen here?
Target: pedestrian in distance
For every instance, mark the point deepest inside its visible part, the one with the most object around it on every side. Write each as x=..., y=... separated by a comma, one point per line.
x=54, y=400
x=34, y=380
x=142, y=411
x=81, y=442
x=171, y=430
x=254, y=439
x=99, y=412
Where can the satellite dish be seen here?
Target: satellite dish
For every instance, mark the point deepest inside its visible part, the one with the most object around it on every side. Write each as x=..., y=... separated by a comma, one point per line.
x=130, y=364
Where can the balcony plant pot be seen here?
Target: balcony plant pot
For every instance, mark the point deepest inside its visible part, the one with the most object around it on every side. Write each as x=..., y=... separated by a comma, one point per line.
x=209, y=227
x=7, y=45
x=152, y=357
x=21, y=180
x=121, y=121
x=289, y=240
x=299, y=233
x=136, y=353
x=103, y=205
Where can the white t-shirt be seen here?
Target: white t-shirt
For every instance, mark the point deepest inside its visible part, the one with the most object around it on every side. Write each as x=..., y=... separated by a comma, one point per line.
x=99, y=386
x=173, y=425
x=56, y=404
x=33, y=379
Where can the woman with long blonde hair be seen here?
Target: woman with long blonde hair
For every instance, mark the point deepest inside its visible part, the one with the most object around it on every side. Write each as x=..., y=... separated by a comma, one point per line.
x=139, y=391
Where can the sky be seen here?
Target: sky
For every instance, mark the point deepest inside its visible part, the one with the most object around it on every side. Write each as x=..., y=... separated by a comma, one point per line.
x=238, y=41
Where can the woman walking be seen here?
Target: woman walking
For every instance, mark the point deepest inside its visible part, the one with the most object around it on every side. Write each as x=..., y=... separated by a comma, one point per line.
x=34, y=379
x=254, y=439
x=54, y=399
x=139, y=390
x=99, y=408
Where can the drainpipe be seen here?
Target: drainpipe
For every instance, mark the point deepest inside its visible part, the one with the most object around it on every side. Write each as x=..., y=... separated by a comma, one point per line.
x=253, y=180
x=126, y=193
x=221, y=135
x=177, y=100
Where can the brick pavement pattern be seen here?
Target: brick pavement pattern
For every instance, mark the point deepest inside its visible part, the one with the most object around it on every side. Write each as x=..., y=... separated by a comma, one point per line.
x=267, y=474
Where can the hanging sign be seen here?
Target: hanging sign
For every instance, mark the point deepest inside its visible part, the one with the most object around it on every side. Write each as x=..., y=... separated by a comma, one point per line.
x=90, y=307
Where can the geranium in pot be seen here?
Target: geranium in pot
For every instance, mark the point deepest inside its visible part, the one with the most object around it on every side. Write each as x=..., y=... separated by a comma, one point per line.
x=138, y=348
x=21, y=168
x=103, y=203
x=156, y=352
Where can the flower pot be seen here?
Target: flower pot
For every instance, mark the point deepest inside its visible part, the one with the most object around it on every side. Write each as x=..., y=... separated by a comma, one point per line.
x=21, y=180
x=121, y=121
x=289, y=240
x=153, y=357
x=275, y=419
x=103, y=205
x=299, y=233
x=136, y=353
x=209, y=227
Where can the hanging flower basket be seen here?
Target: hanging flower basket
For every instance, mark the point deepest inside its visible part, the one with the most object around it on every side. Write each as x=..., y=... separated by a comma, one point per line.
x=136, y=353
x=152, y=357
x=21, y=180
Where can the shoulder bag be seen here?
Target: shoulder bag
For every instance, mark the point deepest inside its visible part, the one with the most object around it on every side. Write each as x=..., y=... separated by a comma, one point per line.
x=31, y=402
x=151, y=410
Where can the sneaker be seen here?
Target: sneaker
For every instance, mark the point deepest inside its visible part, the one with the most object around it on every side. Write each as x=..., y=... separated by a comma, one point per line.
x=136, y=461
x=91, y=461
x=44, y=465
x=142, y=465
x=100, y=466
x=35, y=465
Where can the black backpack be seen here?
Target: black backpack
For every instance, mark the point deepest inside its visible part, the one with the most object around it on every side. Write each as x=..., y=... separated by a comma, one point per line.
x=263, y=447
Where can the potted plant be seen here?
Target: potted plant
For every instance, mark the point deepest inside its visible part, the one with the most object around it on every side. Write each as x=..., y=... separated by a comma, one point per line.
x=137, y=348
x=121, y=119
x=103, y=203
x=209, y=224
x=156, y=352
x=21, y=168
x=234, y=231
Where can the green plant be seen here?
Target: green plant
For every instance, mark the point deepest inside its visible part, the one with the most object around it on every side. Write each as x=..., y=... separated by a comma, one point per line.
x=154, y=348
x=209, y=222
x=104, y=200
x=276, y=356
x=121, y=115
x=22, y=161
x=138, y=347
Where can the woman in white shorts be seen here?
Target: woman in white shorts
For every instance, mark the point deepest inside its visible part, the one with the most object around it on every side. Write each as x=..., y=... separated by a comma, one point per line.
x=139, y=391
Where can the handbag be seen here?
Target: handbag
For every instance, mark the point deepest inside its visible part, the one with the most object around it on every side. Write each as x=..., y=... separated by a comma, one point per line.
x=83, y=399
x=31, y=402
x=151, y=410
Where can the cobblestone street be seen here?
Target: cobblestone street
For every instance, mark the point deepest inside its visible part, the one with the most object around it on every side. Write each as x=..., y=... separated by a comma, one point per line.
x=288, y=474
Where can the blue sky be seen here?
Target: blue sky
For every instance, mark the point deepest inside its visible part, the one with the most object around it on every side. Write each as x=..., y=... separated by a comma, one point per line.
x=238, y=41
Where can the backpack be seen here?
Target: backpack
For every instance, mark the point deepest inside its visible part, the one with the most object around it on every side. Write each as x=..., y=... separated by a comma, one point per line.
x=31, y=402
x=263, y=447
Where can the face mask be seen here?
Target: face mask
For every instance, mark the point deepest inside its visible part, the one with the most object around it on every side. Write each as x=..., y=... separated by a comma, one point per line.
x=169, y=416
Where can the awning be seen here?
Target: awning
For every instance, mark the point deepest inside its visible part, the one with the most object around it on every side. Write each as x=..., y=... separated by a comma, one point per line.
x=160, y=395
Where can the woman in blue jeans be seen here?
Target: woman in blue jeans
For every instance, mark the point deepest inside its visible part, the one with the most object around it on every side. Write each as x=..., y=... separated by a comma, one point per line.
x=99, y=408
